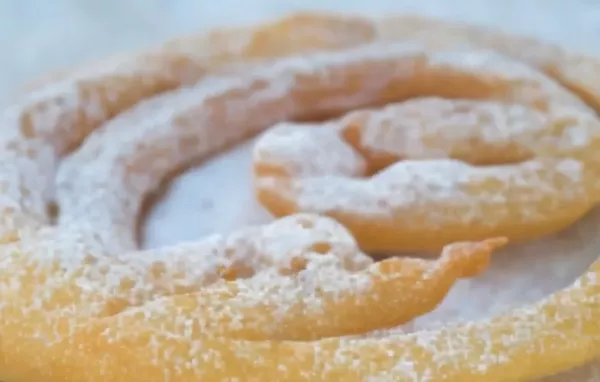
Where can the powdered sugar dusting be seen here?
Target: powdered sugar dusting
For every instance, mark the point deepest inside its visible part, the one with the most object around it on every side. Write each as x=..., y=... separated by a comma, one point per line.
x=427, y=355
x=100, y=282
x=418, y=190
x=536, y=138
x=56, y=279
x=228, y=109
x=288, y=146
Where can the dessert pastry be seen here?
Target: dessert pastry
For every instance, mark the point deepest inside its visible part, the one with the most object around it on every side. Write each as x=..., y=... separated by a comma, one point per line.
x=289, y=301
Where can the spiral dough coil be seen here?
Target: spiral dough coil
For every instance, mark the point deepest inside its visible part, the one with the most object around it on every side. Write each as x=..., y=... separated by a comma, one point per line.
x=292, y=300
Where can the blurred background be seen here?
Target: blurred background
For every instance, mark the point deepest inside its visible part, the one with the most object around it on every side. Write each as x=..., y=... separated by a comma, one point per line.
x=38, y=35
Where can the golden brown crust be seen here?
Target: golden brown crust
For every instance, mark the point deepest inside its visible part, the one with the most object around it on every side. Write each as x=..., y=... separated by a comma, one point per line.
x=78, y=305
x=523, y=344
x=396, y=178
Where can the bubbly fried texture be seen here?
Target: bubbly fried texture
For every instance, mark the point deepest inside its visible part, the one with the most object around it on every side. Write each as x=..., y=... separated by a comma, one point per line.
x=290, y=301
x=301, y=277
x=57, y=113
x=557, y=333
x=513, y=156
x=324, y=299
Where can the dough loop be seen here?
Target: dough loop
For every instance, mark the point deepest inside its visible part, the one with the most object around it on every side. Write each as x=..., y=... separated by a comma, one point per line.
x=292, y=300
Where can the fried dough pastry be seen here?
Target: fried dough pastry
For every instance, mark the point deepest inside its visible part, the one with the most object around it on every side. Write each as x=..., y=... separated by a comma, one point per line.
x=323, y=300
x=412, y=205
x=58, y=112
x=529, y=142
x=300, y=277
x=574, y=70
x=525, y=343
x=289, y=301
